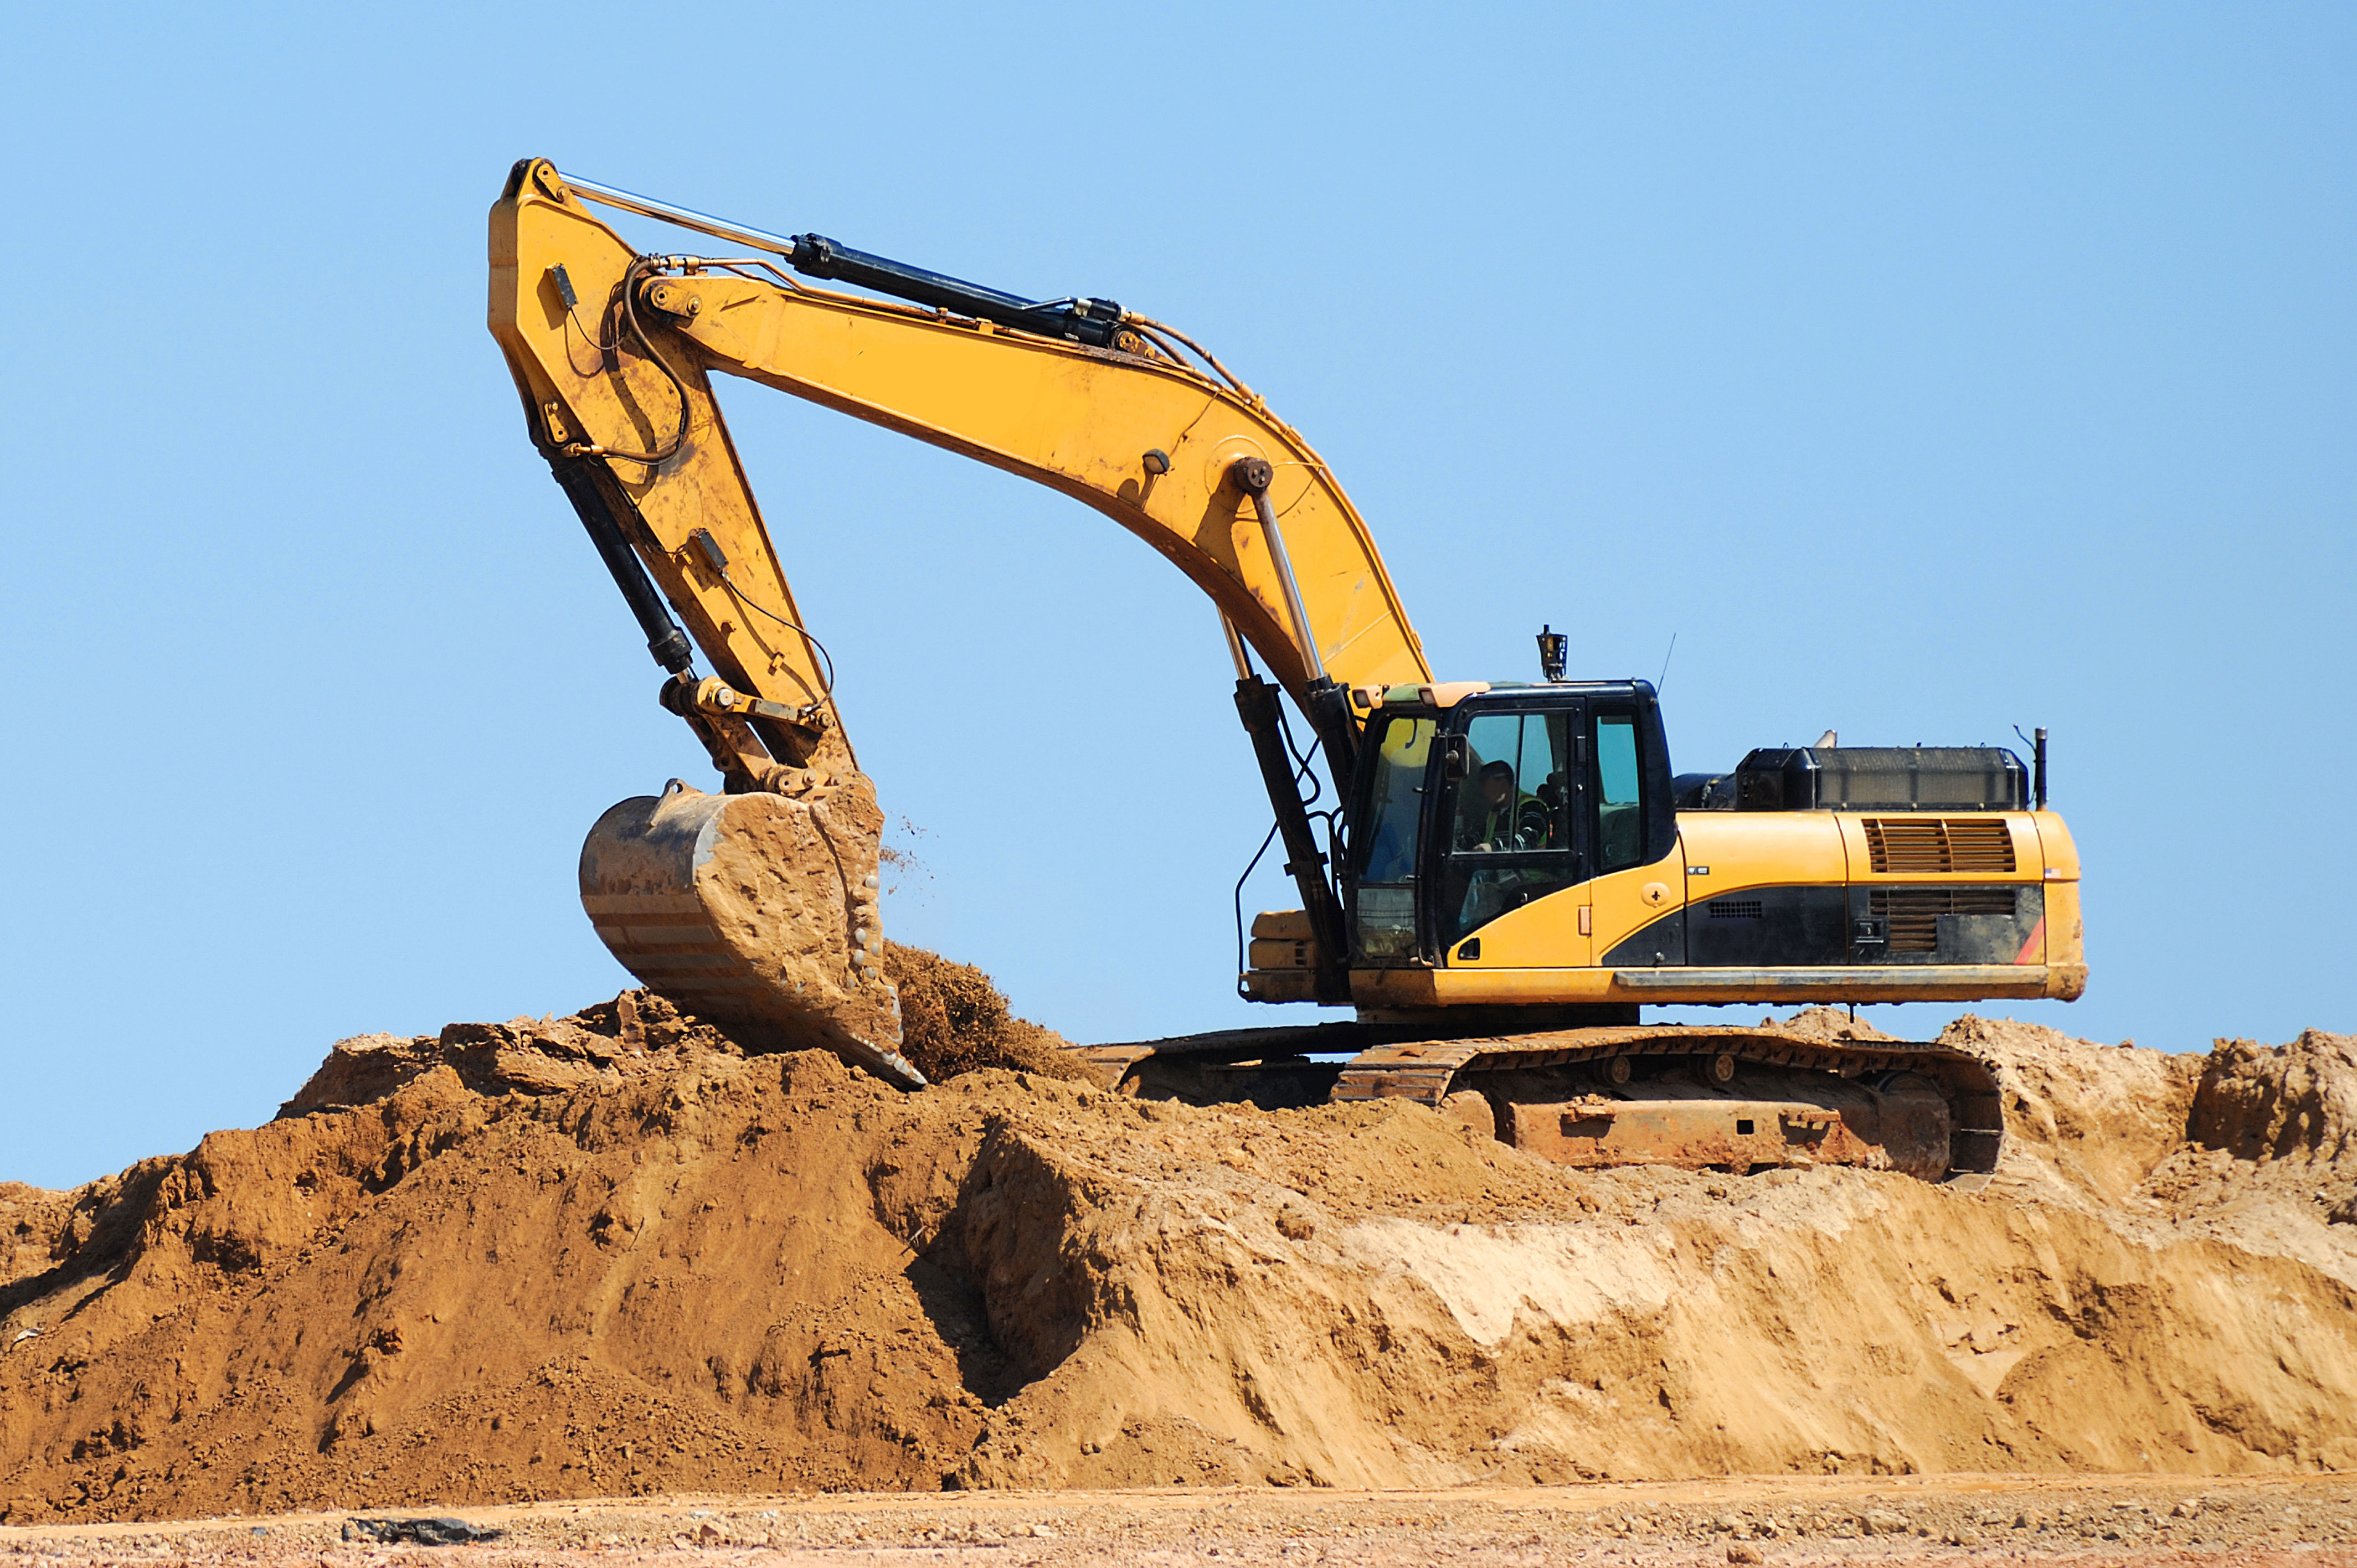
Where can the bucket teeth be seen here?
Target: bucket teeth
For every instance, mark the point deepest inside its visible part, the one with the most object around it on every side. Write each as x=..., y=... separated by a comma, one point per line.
x=757, y=911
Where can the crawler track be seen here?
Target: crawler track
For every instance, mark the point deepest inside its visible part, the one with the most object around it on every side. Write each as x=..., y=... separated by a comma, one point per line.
x=1646, y=1094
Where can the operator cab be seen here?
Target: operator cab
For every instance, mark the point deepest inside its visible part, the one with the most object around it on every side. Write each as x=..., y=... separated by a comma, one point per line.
x=1474, y=801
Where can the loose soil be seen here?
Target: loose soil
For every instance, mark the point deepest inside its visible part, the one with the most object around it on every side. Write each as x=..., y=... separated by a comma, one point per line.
x=618, y=1254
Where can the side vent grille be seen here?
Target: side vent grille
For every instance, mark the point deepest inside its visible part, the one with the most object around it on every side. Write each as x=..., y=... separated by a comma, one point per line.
x=1915, y=912
x=1915, y=846
x=1737, y=909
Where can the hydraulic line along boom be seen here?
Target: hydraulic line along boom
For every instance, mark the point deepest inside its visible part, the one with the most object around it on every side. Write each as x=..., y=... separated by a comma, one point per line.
x=1090, y=321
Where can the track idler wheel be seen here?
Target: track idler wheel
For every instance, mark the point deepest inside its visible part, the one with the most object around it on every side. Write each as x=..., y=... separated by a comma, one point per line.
x=1715, y=1071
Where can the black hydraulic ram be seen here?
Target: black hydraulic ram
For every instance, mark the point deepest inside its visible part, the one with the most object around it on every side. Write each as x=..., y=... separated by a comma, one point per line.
x=1090, y=321
x=664, y=639
x=1256, y=703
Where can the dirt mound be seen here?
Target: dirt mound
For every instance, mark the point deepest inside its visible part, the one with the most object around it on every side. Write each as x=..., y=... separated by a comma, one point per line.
x=953, y=1020
x=623, y=1253
x=30, y=1219
x=956, y=1022
x=2297, y=1100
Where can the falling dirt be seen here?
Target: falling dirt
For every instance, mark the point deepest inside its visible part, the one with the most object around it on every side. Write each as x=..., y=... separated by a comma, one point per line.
x=953, y=1020
x=616, y=1254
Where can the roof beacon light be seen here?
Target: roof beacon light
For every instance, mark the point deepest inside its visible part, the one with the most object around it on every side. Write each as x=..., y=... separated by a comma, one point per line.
x=1554, y=651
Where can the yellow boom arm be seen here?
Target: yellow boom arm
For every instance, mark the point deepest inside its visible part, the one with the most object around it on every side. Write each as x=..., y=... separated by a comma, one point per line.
x=613, y=352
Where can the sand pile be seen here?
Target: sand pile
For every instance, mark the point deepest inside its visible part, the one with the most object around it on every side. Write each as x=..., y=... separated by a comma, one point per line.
x=615, y=1253
x=953, y=1020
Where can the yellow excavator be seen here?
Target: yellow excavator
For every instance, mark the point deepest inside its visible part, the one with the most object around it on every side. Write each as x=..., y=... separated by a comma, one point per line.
x=1510, y=871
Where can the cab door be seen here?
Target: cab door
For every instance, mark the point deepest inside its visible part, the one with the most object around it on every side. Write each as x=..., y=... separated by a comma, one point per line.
x=1507, y=836
x=1636, y=886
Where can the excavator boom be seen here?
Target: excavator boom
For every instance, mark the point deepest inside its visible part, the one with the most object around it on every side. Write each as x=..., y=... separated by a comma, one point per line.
x=1148, y=440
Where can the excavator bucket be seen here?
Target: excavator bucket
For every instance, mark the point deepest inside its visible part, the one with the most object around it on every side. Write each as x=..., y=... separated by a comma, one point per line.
x=756, y=910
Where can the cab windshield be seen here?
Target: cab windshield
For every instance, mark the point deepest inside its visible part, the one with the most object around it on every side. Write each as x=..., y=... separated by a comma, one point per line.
x=1395, y=800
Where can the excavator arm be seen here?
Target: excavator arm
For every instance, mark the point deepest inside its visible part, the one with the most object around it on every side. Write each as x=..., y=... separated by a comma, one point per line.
x=613, y=353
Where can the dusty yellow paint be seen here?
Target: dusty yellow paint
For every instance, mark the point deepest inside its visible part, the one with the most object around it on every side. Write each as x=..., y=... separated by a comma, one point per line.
x=1076, y=419
x=1550, y=951
x=1760, y=849
x=2056, y=848
x=1482, y=986
x=1544, y=934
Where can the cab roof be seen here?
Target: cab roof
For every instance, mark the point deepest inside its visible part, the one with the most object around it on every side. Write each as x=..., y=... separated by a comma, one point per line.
x=1444, y=694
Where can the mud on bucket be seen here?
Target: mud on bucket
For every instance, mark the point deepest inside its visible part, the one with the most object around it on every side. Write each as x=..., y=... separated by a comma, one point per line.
x=755, y=909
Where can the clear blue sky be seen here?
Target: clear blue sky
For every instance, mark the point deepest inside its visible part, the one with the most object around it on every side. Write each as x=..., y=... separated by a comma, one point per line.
x=1926, y=371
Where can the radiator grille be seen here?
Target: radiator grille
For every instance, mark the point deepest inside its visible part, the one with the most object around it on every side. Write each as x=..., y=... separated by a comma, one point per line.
x=1737, y=909
x=1914, y=913
x=1914, y=847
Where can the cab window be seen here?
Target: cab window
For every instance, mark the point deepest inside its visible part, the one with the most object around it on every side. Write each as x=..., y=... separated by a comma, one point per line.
x=1619, y=805
x=1513, y=798
x=1509, y=819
